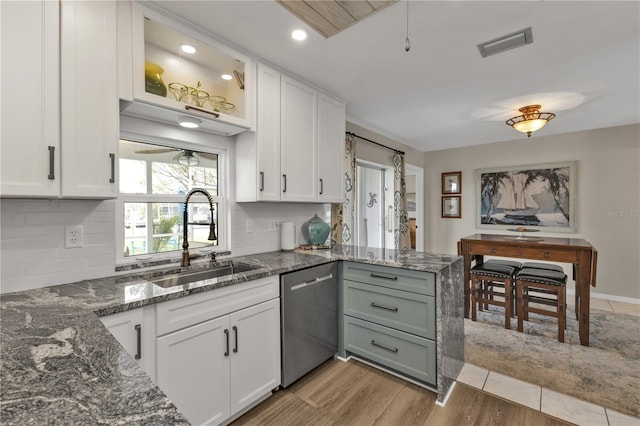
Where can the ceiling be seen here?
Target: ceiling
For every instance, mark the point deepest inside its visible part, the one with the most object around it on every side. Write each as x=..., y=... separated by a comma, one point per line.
x=583, y=64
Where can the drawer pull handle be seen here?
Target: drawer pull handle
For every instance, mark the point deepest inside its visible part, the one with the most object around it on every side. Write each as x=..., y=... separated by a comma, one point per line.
x=492, y=250
x=226, y=333
x=546, y=254
x=386, y=308
x=386, y=277
x=215, y=114
x=235, y=332
x=112, y=159
x=52, y=151
x=138, y=329
x=385, y=347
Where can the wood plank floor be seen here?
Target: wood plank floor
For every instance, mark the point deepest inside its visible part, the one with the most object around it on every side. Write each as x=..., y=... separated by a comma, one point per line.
x=352, y=393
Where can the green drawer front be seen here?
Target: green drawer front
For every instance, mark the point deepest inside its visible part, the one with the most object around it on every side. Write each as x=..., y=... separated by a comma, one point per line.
x=410, y=312
x=385, y=276
x=405, y=353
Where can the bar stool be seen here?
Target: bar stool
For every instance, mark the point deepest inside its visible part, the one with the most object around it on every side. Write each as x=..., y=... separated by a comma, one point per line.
x=517, y=266
x=542, y=281
x=485, y=277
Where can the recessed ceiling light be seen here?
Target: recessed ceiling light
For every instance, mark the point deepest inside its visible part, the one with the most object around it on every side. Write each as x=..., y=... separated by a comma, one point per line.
x=226, y=77
x=299, y=35
x=187, y=48
x=189, y=122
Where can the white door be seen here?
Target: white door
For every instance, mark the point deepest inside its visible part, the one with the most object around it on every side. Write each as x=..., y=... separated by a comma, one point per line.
x=255, y=353
x=370, y=206
x=89, y=99
x=331, y=134
x=193, y=370
x=29, y=161
x=299, y=163
x=268, y=134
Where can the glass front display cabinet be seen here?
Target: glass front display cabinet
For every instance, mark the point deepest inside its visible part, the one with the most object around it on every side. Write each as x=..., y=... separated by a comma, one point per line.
x=179, y=68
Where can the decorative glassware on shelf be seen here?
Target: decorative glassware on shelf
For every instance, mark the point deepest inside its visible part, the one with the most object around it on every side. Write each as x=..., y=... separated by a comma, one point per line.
x=153, y=79
x=198, y=97
x=217, y=101
x=316, y=231
x=227, y=106
x=179, y=90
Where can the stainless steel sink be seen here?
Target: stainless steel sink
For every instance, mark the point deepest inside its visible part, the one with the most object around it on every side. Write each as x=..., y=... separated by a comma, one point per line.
x=227, y=268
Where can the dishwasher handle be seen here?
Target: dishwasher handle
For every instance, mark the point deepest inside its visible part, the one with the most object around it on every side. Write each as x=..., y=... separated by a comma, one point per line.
x=311, y=282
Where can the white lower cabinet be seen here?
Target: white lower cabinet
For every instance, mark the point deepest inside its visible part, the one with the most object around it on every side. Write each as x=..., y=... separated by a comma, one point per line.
x=135, y=331
x=227, y=356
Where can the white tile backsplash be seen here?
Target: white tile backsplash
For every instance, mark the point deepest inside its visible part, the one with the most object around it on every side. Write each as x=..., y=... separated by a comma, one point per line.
x=32, y=236
x=32, y=252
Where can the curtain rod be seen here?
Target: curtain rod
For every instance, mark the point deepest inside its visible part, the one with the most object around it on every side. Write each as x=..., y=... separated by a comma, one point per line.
x=376, y=143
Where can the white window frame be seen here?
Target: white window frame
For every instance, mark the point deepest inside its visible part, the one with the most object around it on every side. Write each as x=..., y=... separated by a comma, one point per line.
x=221, y=199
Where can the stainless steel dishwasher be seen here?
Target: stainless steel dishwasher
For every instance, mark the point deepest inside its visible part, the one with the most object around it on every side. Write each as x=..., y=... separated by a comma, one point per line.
x=309, y=305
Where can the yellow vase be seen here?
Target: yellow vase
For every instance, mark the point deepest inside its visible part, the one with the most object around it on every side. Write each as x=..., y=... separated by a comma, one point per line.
x=153, y=79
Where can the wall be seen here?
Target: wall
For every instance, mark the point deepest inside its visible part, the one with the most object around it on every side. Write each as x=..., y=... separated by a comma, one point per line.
x=608, y=195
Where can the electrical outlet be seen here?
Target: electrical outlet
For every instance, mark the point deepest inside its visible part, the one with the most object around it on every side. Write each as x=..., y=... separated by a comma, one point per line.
x=73, y=236
x=249, y=225
x=274, y=225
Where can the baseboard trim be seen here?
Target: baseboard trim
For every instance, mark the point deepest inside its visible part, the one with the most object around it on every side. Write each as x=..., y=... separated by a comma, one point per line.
x=611, y=297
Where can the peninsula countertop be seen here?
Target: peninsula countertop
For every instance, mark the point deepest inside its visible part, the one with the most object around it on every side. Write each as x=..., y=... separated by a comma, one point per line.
x=59, y=364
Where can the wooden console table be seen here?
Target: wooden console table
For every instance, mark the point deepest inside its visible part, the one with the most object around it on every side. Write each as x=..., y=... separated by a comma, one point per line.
x=578, y=252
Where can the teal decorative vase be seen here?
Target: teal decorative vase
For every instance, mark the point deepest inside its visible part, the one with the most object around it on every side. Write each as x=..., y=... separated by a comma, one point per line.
x=316, y=231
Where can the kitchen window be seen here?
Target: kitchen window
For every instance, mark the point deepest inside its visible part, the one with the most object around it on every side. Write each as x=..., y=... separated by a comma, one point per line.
x=154, y=181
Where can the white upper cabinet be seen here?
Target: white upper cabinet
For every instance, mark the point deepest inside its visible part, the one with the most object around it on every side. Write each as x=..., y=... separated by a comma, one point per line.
x=29, y=161
x=299, y=141
x=177, y=70
x=331, y=134
x=296, y=152
x=59, y=99
x=89, y=99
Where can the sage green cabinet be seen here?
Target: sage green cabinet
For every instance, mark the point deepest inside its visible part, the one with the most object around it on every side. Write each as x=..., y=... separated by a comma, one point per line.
x=390, y=318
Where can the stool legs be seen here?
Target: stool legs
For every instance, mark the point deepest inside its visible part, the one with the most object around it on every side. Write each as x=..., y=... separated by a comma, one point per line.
x=482, y=295
x=522, y=295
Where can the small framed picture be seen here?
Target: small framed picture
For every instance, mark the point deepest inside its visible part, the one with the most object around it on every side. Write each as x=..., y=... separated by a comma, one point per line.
x=451, y=206
x=452, y=183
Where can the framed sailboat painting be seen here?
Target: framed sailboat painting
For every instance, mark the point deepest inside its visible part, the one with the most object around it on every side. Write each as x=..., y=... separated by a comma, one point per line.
x=540, y=196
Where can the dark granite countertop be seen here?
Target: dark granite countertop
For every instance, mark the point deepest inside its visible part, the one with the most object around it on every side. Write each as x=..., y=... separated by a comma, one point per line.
x=60, y=365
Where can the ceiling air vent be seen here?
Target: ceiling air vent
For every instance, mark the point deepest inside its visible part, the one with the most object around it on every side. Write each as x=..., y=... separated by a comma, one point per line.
x=509, y=41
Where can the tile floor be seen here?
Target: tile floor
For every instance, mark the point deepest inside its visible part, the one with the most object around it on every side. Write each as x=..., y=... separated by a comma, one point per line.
x=547, y=401
x=553, y=403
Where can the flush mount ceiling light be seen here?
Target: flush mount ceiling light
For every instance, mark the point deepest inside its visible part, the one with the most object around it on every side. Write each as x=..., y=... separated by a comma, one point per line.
x=188, y=159
x=187, y=48
x=530, y=120
x=226, y=76
x=189, y=122
x=299, y=35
